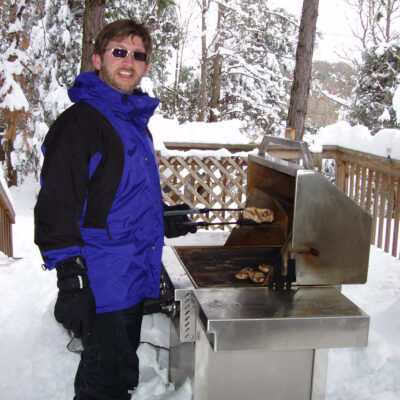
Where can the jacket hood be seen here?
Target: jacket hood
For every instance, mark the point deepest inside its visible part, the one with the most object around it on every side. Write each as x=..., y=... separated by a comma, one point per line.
x=90, y=88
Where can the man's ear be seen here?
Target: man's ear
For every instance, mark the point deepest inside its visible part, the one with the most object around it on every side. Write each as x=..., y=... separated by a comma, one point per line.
x=96, y=60
x=146, y=69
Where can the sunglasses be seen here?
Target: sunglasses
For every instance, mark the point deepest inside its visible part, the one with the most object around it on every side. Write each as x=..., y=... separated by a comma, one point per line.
x=123, y=53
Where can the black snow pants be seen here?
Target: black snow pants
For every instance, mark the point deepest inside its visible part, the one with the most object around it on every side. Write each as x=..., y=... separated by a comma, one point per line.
x=109, y=366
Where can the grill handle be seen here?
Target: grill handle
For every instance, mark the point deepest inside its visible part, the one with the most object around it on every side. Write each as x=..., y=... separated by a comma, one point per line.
x=291, y=144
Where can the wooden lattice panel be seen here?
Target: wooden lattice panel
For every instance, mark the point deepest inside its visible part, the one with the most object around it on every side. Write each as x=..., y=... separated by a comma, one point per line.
x=205, y=182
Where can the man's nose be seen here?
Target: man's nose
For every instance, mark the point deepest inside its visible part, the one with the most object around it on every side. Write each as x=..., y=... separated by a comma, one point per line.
x=129, y=59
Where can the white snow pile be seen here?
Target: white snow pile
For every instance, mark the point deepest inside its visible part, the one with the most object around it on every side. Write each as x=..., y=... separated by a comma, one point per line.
x=35, y=364
x=385, y=143
x=169, y=130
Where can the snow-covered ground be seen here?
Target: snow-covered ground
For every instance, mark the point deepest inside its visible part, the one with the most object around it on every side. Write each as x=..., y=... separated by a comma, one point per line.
x=35, y=364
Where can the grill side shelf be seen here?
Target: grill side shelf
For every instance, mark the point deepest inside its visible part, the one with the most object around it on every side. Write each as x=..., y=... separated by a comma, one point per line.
x=305, y=318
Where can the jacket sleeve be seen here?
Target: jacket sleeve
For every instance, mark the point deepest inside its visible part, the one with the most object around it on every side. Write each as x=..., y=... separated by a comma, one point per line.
x=64, y=179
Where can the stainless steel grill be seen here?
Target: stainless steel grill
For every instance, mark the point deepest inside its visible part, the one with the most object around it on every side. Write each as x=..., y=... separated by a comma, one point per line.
x=236, y=339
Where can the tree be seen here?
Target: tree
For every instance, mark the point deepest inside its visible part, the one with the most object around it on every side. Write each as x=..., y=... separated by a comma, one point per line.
x=377, y=79
x=17, y=87
x=180, y=97
x=302, y=73
x=93, y=21
x=376, y=21
x=216, y=77
x=56, y=48
x=379, y=37
x=332, y=85
x=257, y=58
x=39, y=55
x=205, y=4
x=183, y=89
x=41, y=51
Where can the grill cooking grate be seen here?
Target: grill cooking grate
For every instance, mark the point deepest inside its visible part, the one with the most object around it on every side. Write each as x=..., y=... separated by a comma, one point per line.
x=216, y=266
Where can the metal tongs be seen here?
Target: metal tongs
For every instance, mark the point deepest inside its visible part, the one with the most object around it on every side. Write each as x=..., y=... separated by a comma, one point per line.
x=204, y=223
x=205, y=211
x=198, y=211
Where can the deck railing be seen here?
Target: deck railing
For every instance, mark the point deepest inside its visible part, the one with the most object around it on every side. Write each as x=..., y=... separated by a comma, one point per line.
x=373, y=182
x=211, y=180
x=7, y=218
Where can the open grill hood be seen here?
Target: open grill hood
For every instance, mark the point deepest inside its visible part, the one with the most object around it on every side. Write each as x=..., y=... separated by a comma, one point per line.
x=325, y=231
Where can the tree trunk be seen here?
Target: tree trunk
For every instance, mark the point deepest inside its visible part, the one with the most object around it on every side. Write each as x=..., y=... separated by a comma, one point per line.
x=216, y=79
x=302, y=72
x=176, y=84
x=93, y=21
x=203, y=79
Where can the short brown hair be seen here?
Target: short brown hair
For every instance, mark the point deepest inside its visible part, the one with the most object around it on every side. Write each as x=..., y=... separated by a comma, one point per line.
x=121, y=29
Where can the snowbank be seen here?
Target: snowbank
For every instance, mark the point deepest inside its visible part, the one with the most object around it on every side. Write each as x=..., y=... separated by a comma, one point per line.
x=385, y=143
x=35, y=364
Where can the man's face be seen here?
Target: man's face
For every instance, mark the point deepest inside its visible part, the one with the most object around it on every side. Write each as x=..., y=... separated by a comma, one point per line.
x=122, y=74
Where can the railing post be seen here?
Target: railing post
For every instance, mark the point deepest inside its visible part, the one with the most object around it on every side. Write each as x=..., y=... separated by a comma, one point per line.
x=340, y=177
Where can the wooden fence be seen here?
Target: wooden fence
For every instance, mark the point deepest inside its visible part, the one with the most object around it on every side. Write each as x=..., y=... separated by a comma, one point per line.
x=211, y=180
x=7, y=218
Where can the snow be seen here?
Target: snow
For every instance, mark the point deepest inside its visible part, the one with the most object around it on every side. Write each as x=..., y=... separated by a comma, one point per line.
x=199, y=132
x=12, y=96
x=335, y=25
x=372, y=372
x=36, y=365
x=385, y=143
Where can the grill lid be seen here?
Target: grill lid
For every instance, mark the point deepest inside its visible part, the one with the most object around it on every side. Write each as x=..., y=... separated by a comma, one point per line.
x=330, y=233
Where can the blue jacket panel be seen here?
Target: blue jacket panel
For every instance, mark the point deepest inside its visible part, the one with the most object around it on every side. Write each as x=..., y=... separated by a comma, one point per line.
x=101, y=196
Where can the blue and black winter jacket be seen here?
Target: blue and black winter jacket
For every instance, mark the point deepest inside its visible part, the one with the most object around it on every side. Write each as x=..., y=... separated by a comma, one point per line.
x=100, y=196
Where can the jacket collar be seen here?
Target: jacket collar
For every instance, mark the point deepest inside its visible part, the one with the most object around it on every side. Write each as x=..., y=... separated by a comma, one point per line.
x=90, y=88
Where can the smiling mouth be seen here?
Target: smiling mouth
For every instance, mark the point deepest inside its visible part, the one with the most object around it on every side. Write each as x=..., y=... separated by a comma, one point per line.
x=126, y=74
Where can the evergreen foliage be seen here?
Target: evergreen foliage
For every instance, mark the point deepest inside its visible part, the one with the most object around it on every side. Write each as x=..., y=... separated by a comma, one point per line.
x=377, y=79
x=18, y=90
x=43, y=40
x=250, y=60
x=258, y=57
x=56, y=50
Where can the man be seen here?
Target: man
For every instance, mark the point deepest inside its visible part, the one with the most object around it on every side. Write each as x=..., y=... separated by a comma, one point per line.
x=99, y=214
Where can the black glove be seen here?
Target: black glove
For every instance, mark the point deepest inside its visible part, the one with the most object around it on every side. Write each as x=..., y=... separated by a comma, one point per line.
x=176, y=225
x=75, y=306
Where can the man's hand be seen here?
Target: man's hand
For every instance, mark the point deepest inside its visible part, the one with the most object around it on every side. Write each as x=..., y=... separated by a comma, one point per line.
x=75, y=306
x=176, y=225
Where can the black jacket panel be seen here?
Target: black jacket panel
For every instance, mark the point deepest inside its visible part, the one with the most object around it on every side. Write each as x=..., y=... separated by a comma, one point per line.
x=78, y=135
